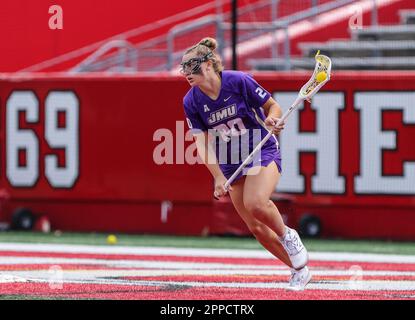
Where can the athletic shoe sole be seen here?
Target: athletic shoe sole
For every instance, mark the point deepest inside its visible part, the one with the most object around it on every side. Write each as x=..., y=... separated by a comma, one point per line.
x=303, y=287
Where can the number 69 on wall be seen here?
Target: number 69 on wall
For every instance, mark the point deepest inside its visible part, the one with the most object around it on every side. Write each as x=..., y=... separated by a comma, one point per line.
x=20, y=140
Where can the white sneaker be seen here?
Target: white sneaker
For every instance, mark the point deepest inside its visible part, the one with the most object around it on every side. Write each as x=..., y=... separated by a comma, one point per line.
x=296, y=251
x=299, y=279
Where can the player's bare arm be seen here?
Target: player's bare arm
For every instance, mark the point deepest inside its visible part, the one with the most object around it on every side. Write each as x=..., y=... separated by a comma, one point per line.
x=208, y=156
x=273, y=113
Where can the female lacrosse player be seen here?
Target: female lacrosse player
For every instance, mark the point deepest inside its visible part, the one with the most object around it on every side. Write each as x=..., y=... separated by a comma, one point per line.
x=223, y=108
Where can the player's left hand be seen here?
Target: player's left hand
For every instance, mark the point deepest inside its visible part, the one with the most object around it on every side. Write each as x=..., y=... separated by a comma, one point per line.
x=270, y=122
x=220, y=190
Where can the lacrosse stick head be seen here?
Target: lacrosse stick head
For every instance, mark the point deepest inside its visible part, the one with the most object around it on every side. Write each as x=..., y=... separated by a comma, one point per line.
x=323, y=70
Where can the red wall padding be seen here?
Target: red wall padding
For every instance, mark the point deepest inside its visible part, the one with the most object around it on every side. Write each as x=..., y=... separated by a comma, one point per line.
x=120, y=188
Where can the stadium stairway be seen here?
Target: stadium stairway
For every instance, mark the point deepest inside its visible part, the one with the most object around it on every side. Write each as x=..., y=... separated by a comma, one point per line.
x=408, y=16
x=256, y=39
x=255, y=47
x=150, y=40
x=386, y=47
x=151, y=52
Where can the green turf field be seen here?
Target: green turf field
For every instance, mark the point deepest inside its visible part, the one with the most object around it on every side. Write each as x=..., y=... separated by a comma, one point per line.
x=334, y=245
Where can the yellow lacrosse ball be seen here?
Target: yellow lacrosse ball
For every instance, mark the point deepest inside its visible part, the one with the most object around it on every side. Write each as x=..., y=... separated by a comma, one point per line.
x=321, y=76
x=112, y=239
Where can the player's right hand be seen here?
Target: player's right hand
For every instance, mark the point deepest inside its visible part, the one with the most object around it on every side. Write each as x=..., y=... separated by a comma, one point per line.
x=220, y=190
x=271, y=122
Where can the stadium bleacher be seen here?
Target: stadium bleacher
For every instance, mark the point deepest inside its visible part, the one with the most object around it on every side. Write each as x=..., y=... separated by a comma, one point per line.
x=390, y=47
x=267, y=39
x=400, y=32
x=264, y=39
x=163, y=51
x=408, y=16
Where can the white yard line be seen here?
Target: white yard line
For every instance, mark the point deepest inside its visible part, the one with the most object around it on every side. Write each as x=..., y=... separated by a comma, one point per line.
x=352, y=279
x=95, y=274
x=329, y=285
x=200, y=252
x=370, y=285
x=132, y=263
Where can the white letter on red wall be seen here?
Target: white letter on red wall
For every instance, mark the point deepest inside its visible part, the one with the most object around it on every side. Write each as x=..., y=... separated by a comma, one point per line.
x=373, y=139
x=325, y=142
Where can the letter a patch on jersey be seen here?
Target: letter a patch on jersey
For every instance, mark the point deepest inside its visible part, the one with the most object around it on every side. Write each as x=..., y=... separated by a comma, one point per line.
x=206, y=109
x=189, y=123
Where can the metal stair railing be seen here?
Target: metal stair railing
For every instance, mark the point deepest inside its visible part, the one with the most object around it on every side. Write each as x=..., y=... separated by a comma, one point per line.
x=260, y=27
x=218, y=21
x=145, y=50
x=185, y=28
x=141, y=30
x=125, y=59
x=167, y=48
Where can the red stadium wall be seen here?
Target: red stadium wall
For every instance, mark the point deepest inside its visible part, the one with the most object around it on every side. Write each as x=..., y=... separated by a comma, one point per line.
x=27, y=39
x=79, y=149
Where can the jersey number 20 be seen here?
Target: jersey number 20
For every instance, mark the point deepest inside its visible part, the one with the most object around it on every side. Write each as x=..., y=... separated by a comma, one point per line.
x=234, y=127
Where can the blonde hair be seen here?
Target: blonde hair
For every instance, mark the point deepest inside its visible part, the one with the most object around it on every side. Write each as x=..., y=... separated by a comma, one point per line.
x=205, y=46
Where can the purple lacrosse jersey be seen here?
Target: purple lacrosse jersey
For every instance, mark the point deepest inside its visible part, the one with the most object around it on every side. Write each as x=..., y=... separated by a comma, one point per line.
x=235, y=120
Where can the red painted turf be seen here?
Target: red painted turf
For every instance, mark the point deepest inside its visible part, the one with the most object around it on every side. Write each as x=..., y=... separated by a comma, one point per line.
x=342, y=265
x=264, y=279
x=92, y=291
x=171, y=291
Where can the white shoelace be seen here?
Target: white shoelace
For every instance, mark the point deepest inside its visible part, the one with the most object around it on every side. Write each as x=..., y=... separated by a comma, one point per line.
x=296, y=278
x=292, y=243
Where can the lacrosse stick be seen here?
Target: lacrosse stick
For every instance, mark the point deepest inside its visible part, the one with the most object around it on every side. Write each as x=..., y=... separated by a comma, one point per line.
x=320, y=76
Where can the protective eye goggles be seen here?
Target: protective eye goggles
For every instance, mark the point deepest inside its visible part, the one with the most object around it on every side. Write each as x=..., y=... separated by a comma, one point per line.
x=192, y=66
